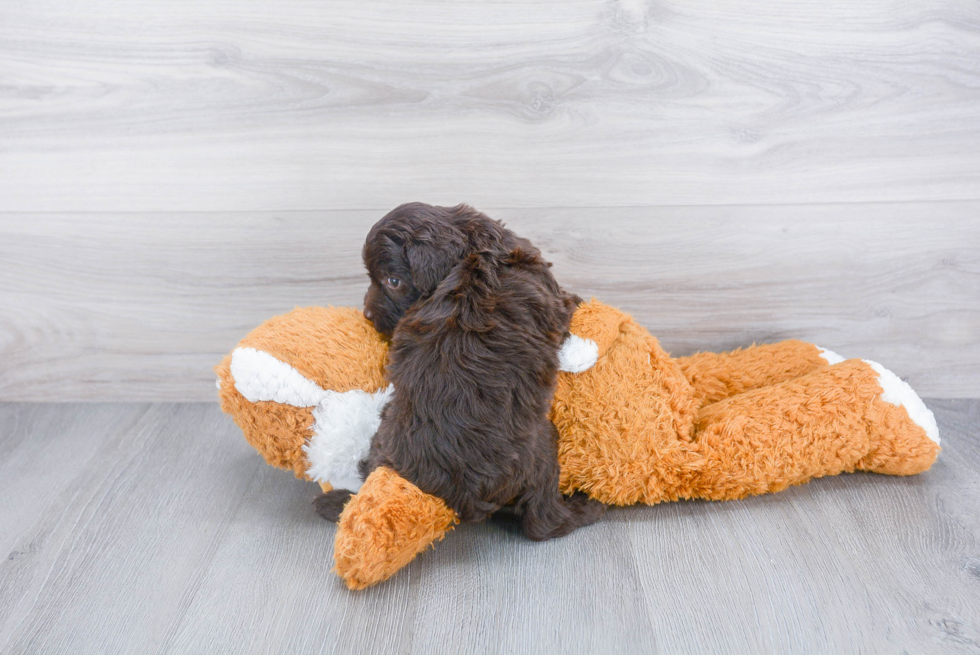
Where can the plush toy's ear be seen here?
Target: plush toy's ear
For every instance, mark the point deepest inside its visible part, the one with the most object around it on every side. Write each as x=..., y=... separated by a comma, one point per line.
x=384, y=526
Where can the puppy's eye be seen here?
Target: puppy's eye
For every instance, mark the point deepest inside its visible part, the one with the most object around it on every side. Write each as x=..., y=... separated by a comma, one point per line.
x=393, y=282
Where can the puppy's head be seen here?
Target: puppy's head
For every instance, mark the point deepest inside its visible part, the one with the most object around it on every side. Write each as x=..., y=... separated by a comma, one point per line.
x=407, y=254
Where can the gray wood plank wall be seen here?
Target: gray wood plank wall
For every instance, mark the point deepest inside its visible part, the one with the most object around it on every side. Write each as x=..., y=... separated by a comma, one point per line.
x=173, y=173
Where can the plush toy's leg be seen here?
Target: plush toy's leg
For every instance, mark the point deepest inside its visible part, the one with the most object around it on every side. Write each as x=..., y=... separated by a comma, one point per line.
x=839, y=418
x=716, y=376
x=897, y=426
x=384, y=526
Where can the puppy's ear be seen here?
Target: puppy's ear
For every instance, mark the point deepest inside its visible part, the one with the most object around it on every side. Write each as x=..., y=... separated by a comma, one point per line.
x=432, y=254
x=467, y=296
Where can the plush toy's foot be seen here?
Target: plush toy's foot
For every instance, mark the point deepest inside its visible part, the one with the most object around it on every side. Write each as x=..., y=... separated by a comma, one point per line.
x=331, y=504
x=385, y=526
x=851, y=415
x=905, y=437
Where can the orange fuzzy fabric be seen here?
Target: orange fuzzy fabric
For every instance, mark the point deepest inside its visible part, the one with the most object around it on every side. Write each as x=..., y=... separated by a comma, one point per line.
x=336, y=347
x=640, y=427
x=385, y=526
x=624, y=423
x=827, y=422
x=716, y=376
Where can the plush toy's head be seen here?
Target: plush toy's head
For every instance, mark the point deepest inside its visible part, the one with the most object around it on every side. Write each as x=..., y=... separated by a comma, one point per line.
x=307, y=390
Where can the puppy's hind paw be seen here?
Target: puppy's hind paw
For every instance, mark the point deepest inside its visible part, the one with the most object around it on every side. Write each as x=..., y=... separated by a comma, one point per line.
x=586, y=510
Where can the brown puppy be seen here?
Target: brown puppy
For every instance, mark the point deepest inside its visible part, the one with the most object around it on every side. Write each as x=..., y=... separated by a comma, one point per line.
x=476, y=320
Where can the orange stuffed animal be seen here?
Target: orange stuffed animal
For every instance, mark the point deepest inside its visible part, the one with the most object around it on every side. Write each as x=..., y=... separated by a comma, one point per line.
x=634, y=424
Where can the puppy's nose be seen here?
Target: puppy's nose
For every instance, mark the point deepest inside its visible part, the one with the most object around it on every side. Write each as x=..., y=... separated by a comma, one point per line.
x=367, y=314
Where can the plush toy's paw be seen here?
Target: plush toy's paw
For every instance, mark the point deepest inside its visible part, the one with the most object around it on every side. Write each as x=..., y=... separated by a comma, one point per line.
x=830, y=356
x=597, y=324
x=899, y=393
x=329, y=505
x=385, y=526
x=905, y=437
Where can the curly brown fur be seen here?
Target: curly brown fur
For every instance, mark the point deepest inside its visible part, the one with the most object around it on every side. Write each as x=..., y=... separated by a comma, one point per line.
x=410, y=251
x=331, y=504
x=476, y=319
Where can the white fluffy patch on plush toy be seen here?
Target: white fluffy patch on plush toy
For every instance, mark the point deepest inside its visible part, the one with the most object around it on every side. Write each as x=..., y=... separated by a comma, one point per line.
x=830, y=355
x=342, y=429
x=343, y=423
x=260, y=376
x=577, y=354
x=897, y=392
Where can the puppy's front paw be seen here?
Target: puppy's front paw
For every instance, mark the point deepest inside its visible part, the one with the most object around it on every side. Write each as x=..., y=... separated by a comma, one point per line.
x=331, y=504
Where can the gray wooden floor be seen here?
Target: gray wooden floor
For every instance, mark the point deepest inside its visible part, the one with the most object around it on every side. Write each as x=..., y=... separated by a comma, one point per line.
x=142, y=528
